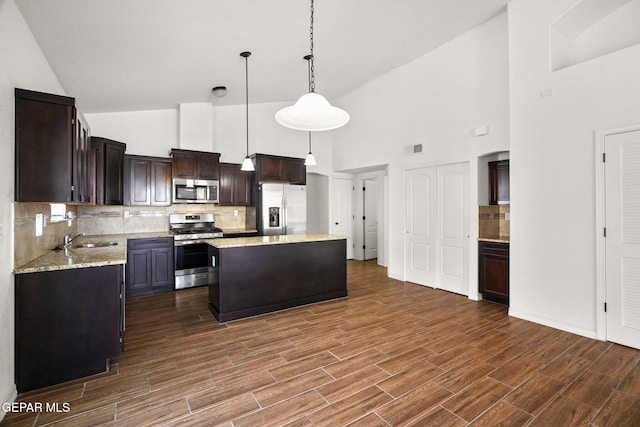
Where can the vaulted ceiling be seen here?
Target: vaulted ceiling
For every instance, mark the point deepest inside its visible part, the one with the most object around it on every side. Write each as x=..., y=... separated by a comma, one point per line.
x=125, y=55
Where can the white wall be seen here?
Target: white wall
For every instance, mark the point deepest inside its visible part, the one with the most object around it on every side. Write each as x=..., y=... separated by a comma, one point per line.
x=436, y=100
x=317, y=203
x=154, y=133
x=147, y=133
x=22, y=65
x=553, y=228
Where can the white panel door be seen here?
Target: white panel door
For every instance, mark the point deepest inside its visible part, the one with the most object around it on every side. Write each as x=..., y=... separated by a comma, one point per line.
x=622, y=242
x=453, y=228
x=342, y=212
x=420, y=223
x=370, y=213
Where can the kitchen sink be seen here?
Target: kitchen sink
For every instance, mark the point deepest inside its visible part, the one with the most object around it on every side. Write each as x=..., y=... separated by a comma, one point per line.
x=94, y=244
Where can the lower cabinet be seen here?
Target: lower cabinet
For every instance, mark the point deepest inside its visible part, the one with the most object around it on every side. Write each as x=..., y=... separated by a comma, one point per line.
x=493, y=267
x=150, y=266
x=68, y=323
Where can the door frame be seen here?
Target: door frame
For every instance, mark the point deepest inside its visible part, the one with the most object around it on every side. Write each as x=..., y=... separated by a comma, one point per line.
x=600, y=206
x=358, y=223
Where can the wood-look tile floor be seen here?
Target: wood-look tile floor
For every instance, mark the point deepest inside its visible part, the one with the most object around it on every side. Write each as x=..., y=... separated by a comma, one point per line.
x=392, y=353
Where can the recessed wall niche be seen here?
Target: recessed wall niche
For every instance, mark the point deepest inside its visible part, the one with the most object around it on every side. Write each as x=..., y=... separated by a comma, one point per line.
x=591, y=29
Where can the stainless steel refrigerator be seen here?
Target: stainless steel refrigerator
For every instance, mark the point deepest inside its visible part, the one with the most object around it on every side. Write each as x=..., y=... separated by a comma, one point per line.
x=282, y=209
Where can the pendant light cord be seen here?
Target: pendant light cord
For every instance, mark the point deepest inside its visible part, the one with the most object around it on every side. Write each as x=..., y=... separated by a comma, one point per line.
x=246, y=92
x=312, y=81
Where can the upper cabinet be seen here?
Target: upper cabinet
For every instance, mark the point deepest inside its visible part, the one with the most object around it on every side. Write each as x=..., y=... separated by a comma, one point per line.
x=189, y=164
x=279, y=168
x=235, y=185
x=108, y=158
x=499, y=183
x=147, y=181
x=52, y=154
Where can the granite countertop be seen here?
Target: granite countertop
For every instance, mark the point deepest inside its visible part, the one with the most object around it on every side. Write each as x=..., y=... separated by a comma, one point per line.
x=495, y=239
x=240, y=242
x=238, y=231
x=75, y=257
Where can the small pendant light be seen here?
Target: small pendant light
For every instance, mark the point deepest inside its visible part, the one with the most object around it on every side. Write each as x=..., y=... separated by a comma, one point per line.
x=312, y=112
x=247, y=164
x=310, y=160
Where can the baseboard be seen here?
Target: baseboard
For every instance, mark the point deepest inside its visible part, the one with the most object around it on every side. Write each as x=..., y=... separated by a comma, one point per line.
x=395, y=276
x=10, y=397
x=589, y=333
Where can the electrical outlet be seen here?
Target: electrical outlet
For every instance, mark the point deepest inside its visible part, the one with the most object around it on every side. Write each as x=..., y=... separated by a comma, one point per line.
x=39, y=224
x=235, y=212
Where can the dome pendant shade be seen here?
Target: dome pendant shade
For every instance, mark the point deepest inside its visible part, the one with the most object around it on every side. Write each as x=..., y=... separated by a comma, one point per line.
x=312, y=112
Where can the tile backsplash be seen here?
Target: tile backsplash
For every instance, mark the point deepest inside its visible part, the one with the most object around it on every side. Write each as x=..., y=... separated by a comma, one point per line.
x=148, y=219
x=96, y=220
x=494, y=221
x=27, y=245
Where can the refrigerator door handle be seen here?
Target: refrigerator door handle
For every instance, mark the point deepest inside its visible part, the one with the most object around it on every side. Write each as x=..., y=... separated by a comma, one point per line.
x=284, y=215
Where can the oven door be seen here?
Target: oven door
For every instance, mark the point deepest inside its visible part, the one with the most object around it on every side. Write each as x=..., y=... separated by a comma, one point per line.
x=191, y=264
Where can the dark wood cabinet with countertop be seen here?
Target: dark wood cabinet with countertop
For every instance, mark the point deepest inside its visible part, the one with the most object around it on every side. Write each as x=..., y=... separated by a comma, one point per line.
x=147, y=181
x=236, y=186
x=493, y=268
x=108, y=156
x=257, y=275
x=280, y=169
x=52, y=157
x=68, y=324
x=188, y=164
x=150, y=266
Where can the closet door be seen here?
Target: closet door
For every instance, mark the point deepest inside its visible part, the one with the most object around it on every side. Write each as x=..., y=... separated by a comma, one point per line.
x=437, y=227
x=453, y=228
x=420, y=226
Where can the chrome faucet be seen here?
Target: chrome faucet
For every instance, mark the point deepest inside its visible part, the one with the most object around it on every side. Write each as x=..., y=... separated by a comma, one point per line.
x=68, y=238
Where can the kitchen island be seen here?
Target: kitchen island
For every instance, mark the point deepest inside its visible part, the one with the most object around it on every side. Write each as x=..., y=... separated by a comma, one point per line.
x=257, y=275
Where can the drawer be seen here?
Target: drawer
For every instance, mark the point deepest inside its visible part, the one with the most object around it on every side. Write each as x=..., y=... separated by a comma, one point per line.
x=493, y=247
x=136, y=244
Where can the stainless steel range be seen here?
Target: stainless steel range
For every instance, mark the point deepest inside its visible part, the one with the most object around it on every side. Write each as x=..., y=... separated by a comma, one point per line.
x=190, y=252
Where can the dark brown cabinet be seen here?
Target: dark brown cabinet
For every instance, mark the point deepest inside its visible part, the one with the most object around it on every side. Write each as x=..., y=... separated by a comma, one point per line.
x=279, y=168
x=493, y=269
x=108, y=156
x=149, y=266
x=52, y=157
x=235, y=185
x=147, y=181
x=68, y=323
x=189, y=164
x=499, y=193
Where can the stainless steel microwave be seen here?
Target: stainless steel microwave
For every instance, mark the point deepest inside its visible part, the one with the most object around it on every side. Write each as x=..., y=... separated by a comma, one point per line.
x=195, y=191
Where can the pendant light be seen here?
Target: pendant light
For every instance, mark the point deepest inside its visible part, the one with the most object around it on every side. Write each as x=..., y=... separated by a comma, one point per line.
x=310, y=160
x=312, y=112
x=247, y=164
